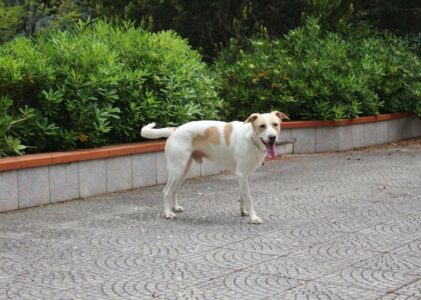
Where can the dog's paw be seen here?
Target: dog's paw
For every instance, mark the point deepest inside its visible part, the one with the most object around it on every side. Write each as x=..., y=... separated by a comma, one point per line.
x=178, y=209
x=244, y=213
x=256, y=220
x=169, y=215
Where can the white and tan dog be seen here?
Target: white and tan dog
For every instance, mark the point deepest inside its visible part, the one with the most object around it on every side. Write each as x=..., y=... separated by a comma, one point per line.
x=239, y=147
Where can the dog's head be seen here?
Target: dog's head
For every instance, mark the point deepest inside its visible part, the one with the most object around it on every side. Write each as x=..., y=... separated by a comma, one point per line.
x=266, y=129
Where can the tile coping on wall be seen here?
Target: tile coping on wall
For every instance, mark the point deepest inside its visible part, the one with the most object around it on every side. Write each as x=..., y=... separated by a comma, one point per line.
x=52, y=158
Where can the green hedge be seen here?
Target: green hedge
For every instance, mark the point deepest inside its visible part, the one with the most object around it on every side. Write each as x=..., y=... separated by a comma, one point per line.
x=314, y=75
x=96, y=85
x=100, y=83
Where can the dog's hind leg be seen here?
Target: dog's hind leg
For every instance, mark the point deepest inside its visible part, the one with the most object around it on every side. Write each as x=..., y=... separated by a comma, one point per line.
x=243, y=211
x=176, y=207
x=176, y=165
x=169, y=193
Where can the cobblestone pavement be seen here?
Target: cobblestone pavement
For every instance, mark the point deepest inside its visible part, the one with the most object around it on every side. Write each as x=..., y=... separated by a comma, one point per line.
x=337, y=226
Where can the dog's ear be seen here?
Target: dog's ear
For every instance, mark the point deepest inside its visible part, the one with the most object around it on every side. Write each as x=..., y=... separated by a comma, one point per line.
x=251, y=118
x=281, y=115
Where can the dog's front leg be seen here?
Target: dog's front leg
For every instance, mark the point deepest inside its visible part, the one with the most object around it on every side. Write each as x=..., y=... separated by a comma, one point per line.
x=246, y=196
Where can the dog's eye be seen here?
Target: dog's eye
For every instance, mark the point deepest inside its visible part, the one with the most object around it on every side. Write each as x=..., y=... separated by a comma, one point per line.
x=263, y=126
x=275, y=124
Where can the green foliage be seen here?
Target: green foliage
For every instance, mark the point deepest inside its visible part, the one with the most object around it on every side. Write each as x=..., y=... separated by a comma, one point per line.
x=332, y=14
x=414, y=42
x=9, y=143
x=315, y=75
x=207, y=24
x=99, y=84
x=10, y=19
x=28, y=17
x=398, y=16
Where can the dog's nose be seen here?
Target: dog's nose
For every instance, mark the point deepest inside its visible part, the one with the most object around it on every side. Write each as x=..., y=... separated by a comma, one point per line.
x=272, y=137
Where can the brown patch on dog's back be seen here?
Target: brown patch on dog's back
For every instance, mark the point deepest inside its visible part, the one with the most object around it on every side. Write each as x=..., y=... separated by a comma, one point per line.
x=211, y=135
x=227, y=133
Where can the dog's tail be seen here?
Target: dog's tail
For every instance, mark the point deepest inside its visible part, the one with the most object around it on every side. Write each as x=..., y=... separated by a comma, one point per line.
x=149, y=132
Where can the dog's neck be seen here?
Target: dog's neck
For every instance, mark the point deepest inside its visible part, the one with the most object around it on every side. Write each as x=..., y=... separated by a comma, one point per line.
x=256, y=141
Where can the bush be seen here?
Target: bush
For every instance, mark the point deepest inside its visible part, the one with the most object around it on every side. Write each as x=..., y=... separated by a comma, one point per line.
x=315, y=75
x=98, y=84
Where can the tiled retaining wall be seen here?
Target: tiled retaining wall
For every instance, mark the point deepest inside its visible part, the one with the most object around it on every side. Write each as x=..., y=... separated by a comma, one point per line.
x=321, y=136
x=34, y=180
x=55, y=183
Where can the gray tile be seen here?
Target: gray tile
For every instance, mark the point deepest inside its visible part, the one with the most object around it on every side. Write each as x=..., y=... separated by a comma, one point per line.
x=119, y=174
x=285, y=149
x=382, y=132
x=320, y=290
x=8, y=191
x=399, y=124
x=413, y=127
x=413, y=289
x=376, y=133
x=392, y=130
x=393, y=296
x=409, y=128
x=327, y=139
x=285, y=134
x=33, y=187
x=358, y=135
x=64, y=182
x=418, y=126
x=305, y=140
x=370, y=134
x=369, y=279
x=144, y=169
x=345, y=137
x=161, y=168
x=92, y=177
x=392, y=262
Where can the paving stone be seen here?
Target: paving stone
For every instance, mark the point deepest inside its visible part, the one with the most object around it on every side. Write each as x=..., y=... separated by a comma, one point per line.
x=413, y=289
x=320, y=290
x=394, y=296
x=337, y=226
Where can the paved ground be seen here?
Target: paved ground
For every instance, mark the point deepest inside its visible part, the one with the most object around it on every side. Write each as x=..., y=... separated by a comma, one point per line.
x=337, y=226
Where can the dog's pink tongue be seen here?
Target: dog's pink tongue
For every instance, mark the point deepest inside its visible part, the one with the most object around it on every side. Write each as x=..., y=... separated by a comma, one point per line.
x=271, y=152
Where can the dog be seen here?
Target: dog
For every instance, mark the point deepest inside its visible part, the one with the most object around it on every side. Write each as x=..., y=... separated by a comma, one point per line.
x=239, y=147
